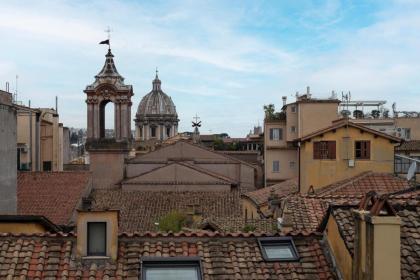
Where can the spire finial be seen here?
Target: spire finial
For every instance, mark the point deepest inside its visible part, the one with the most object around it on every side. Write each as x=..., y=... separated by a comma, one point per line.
x=157, y=73
x=108, y=30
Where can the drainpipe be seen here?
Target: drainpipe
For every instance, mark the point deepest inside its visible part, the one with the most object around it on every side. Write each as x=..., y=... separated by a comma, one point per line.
x=299, y=167
x=37, y=142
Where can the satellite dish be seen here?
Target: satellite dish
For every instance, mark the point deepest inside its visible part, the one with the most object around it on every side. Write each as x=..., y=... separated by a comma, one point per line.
x=412, y=171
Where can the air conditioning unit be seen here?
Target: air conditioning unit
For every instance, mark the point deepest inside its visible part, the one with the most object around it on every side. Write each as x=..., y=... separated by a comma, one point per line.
x=351, y=162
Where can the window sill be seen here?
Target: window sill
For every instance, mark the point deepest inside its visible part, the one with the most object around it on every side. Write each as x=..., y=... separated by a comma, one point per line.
x=95, y=258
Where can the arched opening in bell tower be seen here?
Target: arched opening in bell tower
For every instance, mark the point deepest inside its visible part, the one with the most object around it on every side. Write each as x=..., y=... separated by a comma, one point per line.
x=107, y=119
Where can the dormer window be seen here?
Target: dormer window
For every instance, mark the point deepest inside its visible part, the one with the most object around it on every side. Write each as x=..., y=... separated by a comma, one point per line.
x=97, y=234
x=278, y=249
x=171, y=268
x=96, y=239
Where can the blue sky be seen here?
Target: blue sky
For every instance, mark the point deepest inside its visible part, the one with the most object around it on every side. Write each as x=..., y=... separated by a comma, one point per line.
x=220, y=59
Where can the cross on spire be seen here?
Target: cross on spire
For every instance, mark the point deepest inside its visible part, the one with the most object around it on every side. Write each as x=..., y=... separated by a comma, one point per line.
x=109, y=30
x=196, y=118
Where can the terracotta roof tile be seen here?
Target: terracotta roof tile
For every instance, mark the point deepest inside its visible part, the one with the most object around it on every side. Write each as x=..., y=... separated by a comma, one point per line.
x=260, y=197
x=54, y=195
x=222, y=257
x=364, y=182
x=139, y=210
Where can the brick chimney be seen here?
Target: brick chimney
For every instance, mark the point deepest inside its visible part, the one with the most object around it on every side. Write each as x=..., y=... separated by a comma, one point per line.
x=377, y=240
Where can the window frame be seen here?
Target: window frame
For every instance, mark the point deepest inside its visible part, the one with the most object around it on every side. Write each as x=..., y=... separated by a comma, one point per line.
x=293, y=108
x=88, y=253
x=164, y=262
x=324, y=146
x=365, y=149
x=292, y=165
x=278, y=165
x=284, y=240
x=280, y=134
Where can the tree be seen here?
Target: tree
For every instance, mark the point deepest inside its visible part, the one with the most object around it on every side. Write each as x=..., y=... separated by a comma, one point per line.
x=269, y=111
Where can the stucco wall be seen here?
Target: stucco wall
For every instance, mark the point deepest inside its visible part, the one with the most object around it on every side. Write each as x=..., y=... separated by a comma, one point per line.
x=320, y=173
x=8, y=160
x=338, y=249
x=111, y=218
x=249, y=210
x=315, y=116
x=275, y=143
x=107, y=168
x=284, y=157
x=20, y=228
x=412, y=123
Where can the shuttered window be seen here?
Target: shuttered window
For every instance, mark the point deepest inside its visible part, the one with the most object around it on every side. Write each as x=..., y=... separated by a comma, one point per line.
x=362, y=149
x=324, y=150
x=276, y=134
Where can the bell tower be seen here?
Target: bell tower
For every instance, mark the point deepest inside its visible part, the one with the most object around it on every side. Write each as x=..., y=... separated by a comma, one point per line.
x=108, y=87
x=107, y=153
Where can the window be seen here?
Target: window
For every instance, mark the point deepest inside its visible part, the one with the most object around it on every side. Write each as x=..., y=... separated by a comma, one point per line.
x=293, y=109
x=407, y=134
x=46, y=165
x=362, y=150
x=96, y=238
x=276, y=166
x=324, y=150
x=171, y=268
x=168, y=132
x=276, y=134
x=293, y=129
x=278, y=249
x=292, y=164
x=153, y=131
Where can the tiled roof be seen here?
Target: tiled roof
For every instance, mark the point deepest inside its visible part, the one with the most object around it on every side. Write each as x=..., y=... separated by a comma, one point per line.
x=413, y=145
x=139, y=210
x=304, y=213
x=409, y=212
x=364, y=182
x=54, y=195
x=222, y=257
x=260, y=197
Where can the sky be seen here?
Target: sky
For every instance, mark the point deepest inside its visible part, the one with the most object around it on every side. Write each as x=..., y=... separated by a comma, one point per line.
x=222, y=60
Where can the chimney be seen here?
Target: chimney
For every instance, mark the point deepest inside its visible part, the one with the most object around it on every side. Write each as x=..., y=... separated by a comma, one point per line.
x=308, y=92
x=284, y=98
x=377, y=240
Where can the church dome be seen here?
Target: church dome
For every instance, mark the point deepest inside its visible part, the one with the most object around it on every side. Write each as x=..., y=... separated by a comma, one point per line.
x=156, y=102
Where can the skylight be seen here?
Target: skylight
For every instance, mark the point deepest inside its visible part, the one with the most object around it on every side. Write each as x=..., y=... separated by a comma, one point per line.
x=278, y=249
x=171, y=268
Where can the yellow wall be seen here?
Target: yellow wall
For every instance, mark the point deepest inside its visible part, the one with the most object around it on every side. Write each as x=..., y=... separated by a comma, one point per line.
x=320, y=173
x=111, y=218
x=22, y=228
x=315, y=116
x=338, y=249
x=383, y=249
